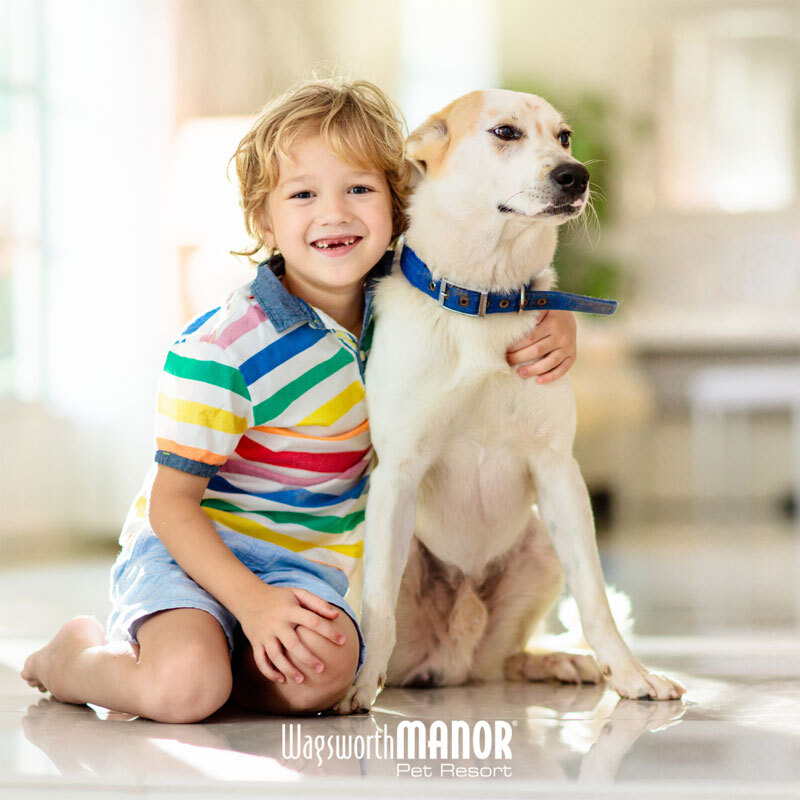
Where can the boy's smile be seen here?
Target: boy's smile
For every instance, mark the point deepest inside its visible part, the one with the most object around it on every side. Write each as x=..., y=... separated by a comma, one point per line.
x=337, y=246
x=332, y=222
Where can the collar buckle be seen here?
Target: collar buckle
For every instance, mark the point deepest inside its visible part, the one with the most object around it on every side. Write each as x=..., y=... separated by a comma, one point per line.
x=521, y=300
x=482, y=304
x=443, y=293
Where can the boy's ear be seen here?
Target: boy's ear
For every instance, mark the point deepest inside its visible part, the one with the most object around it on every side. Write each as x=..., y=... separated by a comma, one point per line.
x=426, y=147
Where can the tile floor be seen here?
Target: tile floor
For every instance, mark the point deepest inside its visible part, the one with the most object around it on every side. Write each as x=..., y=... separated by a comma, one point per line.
x=717, y=608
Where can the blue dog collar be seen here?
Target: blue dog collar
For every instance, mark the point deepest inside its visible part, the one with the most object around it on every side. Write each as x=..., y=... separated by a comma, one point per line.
x=477, y=304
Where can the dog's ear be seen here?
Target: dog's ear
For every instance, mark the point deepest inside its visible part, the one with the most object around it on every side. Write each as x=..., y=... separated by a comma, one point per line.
x=426, y=147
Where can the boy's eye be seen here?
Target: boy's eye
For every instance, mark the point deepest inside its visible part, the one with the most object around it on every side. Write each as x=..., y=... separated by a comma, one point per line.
x=304, y=195
x=360, y=189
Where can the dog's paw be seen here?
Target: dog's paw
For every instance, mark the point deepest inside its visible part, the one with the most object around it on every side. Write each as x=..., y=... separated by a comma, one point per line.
x=360, y=696
x=637, y=683
x=356, y=701
x=564, y=667
x=425, y=679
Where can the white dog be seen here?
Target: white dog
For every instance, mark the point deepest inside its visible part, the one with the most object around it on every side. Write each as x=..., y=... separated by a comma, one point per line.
x=467, y=450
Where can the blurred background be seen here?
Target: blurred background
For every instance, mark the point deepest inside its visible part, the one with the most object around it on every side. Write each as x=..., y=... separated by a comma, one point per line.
x=117, y=120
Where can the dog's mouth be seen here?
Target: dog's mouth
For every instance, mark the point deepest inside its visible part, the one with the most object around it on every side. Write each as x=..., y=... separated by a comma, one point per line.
x=569, y=209
x=553, y=210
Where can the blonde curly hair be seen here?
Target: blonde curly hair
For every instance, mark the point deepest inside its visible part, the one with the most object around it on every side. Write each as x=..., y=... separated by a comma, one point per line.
x=358, y=123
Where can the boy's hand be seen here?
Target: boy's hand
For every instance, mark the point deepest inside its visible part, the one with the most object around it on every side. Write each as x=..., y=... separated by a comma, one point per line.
x=270, y=626
x=553, y=342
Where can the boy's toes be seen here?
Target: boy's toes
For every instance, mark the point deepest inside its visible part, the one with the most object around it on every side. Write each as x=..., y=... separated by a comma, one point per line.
x=27, y=673
x=30, y=673
x=43, y=668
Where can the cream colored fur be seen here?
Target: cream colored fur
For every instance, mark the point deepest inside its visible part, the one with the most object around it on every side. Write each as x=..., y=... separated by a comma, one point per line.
x=477, y=509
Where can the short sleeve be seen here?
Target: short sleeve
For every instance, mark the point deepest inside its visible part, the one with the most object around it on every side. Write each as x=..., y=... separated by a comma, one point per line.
x=203, y=408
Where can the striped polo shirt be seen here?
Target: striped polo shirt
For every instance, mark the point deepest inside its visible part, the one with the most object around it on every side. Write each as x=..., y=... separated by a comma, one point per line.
x=265, y=396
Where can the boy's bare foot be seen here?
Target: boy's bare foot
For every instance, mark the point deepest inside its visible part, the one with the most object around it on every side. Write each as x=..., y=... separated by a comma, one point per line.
x=45, y=669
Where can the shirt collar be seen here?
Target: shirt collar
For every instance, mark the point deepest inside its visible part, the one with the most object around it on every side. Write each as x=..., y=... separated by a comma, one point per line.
x=283, y=309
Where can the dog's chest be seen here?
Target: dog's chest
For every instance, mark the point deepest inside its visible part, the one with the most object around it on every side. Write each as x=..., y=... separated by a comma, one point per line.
x=475, y=499
x=504, y=411
x=473, y=503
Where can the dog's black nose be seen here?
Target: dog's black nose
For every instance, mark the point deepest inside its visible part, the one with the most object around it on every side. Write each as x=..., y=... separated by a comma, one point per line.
x=571, y=178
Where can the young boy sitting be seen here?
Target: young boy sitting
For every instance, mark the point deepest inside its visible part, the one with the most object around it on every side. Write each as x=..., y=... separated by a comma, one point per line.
x=251, y=519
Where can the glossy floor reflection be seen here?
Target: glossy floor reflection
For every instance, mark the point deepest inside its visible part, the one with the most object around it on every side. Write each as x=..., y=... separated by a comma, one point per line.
x=737, y=733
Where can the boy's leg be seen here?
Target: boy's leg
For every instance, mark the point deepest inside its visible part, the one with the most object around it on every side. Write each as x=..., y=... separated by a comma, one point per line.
x=317, y=692
x=179, y=672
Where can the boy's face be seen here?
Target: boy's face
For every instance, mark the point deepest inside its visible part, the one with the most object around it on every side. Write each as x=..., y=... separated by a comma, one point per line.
x=331, y=221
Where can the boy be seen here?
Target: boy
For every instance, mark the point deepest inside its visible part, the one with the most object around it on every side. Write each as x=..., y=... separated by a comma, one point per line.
x=251, y=520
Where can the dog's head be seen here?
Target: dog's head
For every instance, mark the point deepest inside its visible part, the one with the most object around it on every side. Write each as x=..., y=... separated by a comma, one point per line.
x=501, y=153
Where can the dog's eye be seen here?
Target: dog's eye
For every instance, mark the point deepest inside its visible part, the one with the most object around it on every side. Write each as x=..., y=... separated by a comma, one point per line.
x=507, y=132
x=564, y=138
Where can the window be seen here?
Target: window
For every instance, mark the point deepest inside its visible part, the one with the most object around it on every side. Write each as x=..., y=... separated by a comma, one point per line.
x=729, y=117
x=21, y=144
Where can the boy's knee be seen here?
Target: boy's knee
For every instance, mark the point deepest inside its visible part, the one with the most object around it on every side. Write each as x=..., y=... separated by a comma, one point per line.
x=320, y=691
x=341, y=662
x=187, y=686
x=317, y=694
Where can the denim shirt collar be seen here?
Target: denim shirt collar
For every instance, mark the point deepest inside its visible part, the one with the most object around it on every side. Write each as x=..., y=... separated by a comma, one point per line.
x=284, y=310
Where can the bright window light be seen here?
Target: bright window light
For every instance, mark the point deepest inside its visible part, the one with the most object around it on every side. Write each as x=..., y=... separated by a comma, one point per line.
x=451, y=54
x=729, y=127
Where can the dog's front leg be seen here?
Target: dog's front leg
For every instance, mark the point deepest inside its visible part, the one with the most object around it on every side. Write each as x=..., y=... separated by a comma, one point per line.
x=389, y=528
x=566, y=511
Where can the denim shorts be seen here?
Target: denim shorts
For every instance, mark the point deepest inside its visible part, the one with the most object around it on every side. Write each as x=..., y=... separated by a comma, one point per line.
x=146, y=579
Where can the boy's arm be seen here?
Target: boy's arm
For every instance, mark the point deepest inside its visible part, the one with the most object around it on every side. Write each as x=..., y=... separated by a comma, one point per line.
x=553, y=342
x=268, y=614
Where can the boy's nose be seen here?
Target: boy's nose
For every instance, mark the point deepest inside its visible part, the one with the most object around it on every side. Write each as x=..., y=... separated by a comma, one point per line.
x=333, y=210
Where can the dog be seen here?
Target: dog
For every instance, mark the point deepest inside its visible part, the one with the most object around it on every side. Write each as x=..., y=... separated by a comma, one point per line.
x=477, y=509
